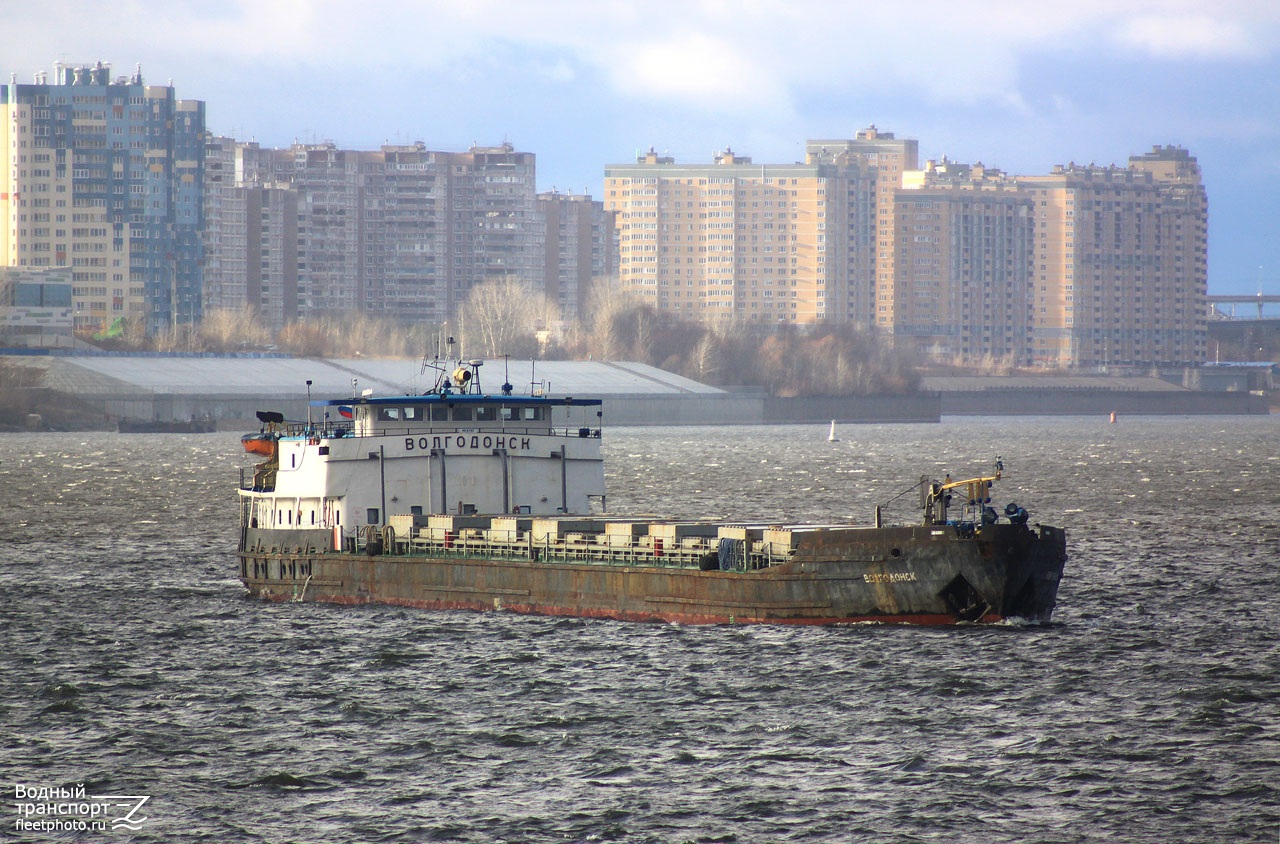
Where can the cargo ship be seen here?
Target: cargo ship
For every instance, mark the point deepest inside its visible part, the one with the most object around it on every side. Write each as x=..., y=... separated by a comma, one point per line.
x=462, y=499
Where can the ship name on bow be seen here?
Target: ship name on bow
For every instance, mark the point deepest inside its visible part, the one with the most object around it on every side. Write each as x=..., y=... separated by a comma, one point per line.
x=889, y=577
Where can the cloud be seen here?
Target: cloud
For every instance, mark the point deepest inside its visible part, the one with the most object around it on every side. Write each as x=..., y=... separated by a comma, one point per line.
x=696, y=70
x=558, y=71
x=1190, y=36
x=752, y=58
x=684, y=48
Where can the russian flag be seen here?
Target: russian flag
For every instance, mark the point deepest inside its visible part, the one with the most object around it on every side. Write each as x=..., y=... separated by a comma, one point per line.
x=345, y=411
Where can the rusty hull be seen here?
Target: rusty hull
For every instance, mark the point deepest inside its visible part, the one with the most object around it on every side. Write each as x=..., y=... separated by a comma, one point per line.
x=918, y=575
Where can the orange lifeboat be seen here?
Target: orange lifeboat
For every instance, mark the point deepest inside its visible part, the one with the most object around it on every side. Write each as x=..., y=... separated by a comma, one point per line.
x=263, y=444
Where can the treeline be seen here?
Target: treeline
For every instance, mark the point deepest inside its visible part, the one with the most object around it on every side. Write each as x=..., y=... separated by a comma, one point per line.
x=230, y=331
x=789, y=361
x=508, y=318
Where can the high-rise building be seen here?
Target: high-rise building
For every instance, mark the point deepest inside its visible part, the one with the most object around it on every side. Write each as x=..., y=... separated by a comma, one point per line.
x=733, y=240
x=965, y=241
x=405, y=234
x=224, y=270
x=1121, y=263
x=578, y=249
x=1083, y=267
x=495, y=234
x=871, y=166
x=319, y=211
x=772, y=243
x=251, y=239
x=106, y=176
x=229, y=275
x=402, y=232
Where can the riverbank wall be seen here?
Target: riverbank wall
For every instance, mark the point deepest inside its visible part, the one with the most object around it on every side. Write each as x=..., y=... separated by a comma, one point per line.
x=230, y=390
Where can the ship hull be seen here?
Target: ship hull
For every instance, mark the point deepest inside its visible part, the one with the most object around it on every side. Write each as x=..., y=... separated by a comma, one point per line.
x=930, y=575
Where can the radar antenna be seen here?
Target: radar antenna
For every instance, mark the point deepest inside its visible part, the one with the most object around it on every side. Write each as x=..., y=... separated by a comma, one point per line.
x=442, y=369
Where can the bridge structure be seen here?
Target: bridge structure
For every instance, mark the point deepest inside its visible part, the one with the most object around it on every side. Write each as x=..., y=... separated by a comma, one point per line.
x=1244, y=329
x=1255, y=307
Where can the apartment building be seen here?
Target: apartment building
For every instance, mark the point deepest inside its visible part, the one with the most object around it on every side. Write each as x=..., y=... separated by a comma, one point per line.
x=729, y=241
x=106, y=176
x=965, y=244
x=318, y=211
x=404, y=241
x=224, y=270
x=496, y=233
x=871, y=166
x=577, y=249
x=1083, y=267
x=401, y=232
x=251, y=237
x=796, y=243
x=1121, y=264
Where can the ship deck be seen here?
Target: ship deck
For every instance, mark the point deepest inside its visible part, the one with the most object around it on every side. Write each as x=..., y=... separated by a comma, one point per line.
x=663, y=544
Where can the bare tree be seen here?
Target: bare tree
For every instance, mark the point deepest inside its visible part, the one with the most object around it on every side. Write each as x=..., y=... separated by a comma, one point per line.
x=309, y=339
x=644, y=326
x=503, y=316
x=608, y=337
x=229, y=329
x=135, y=333
x=352, y=335
x=171, y=338
x=707, y=361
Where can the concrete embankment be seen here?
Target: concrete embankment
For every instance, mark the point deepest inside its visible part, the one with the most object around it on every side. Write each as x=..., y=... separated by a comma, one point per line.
x=1216, y=391
x=1090, y=402
x=103, y=389
x=230, y=390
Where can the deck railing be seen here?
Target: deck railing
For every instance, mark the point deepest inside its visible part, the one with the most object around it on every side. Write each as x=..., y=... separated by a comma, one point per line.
x=595, y=549
x=302, y=430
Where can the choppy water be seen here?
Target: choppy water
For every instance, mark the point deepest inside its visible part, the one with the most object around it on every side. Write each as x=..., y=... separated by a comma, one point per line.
x=1148, y=712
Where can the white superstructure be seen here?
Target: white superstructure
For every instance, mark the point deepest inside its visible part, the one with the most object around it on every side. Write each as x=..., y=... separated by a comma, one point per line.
x=445, y=452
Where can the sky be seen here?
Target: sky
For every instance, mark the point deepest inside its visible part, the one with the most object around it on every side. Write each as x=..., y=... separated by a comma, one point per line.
x=1016, y=85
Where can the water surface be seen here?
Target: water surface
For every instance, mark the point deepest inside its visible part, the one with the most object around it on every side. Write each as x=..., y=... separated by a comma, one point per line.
x=1148, y=712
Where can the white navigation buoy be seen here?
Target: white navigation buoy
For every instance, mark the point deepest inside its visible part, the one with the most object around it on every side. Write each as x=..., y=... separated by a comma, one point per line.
x=831, y=437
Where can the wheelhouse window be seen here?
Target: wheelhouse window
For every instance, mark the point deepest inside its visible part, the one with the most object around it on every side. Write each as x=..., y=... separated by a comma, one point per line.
x=486, y=414
x=463, y=413
x=398, y=414
x=439, y=413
